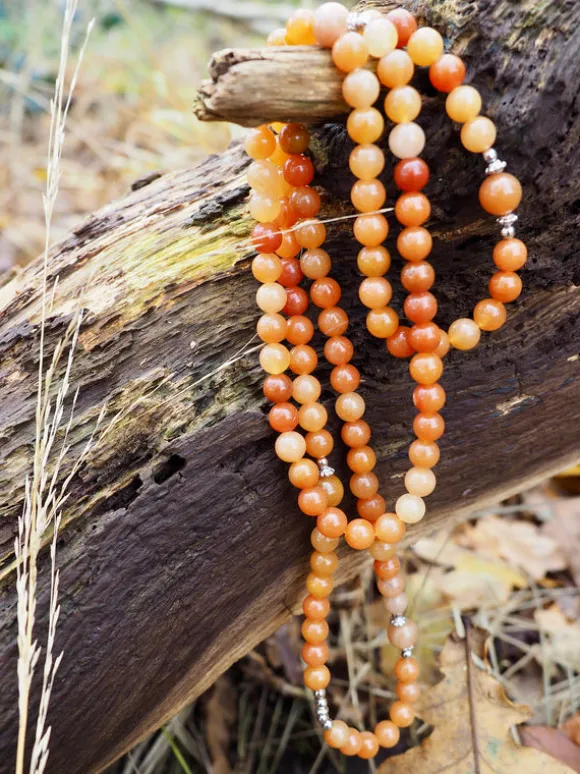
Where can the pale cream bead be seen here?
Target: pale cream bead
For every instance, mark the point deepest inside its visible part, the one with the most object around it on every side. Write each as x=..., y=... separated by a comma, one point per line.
x=361, y=88
x=265, y=177
x=478, y=135
x=274, y=358
x=330, y=23
x=382, y=551
x=381, y=37
x=420, y=481
x=397, y=605
x=306, y=389
x=464, y=333
x=263, y=207
x=407, y=141
x=410, y=508
x=271, y=297
x=290, y=446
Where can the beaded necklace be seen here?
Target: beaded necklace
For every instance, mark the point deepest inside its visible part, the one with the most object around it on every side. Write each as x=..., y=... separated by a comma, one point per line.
x=285, y=206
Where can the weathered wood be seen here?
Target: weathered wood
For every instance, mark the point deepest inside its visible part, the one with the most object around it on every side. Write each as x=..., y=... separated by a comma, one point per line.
x=182, y=547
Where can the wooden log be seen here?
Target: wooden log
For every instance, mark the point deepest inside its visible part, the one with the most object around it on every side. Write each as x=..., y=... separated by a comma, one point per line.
x=182, y=546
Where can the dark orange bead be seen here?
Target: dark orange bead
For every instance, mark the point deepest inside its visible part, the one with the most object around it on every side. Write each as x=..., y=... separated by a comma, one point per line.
x=303, y=359
x=420, y=308
x=315, y=655
x=447, y=73
x=417, y=277
x=294, y=138
x=266, y=237
x=423, y=337
x=369, y=745
x=289, y=247
x=333, y=321
x=399, y=344
x=345, y=378
x=325, y=292
x=405, y=24
x=355, y=434
x=412, y=208
x=424, y=454
x=428, y=398
x=278, y=388
x=371, y=508
x=414, y=243
x=298, y=170
x=411, y=174
x=387, y=569
x=505, y=286
x=338, y=350
x=332, y=523
x=319, y=444
x=406, y=669
x=299, y=330
x=283, y=417
x=510, y=254
x=489, y=314
x=500, y=194
x=408, y=692
x=428, y=427
x=296, y=301
x=305, y=202
x=313, y=501
x=314, y=608
x=291, y=273
x=364, y=485
x=288, y=215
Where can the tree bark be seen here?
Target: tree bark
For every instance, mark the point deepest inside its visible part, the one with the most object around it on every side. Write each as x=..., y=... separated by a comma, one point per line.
x=182, y=546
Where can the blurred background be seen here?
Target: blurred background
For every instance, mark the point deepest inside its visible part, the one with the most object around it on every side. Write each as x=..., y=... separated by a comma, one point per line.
x=514, y=569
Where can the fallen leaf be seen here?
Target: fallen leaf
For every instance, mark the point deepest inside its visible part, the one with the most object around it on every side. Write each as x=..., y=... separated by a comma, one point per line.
x=472, y=717
x=522, y=544
x=563, y=526
x=560, y=637
x=553, y=742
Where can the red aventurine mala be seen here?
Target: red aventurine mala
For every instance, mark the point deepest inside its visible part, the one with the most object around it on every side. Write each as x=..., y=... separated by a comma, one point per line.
x=285, y=206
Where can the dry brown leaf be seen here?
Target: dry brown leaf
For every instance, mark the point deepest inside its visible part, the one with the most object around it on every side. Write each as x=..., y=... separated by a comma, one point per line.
x=553, y=742
x=561, y=637
x=520, y=543
x=472, y=717
x=564, y=527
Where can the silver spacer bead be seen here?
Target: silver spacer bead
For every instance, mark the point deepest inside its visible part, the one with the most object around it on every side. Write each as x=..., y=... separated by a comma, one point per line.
x=407, y=652
x=508, y=232
x=508, y=220
x=325, y=469
x=398, y=620
x=327, y=725
x=490, y=155
x=495, y=167
x=320, y=694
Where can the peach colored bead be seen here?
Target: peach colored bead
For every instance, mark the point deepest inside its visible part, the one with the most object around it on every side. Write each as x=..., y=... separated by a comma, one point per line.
x=412, y=209
x=366, y=161
x=321, y=542
x=464, y=334
x=290, y=446
x=365, y=125
x=408, y=692
x=359, y=534
x=272, y=328
x=267, y=267
x=299, y=28
x=314, y=631
x=315, y=655
x=334, y=489
x=312, y=417
x=428, y=427
x=381, y=551
x=364, y=485
x=395, y=69
x=405, y=24
x=338, y=350
x=319, y=586
x=404, y=636
x=380, y=36
x=316, y=677
x=406, y=140
x=310, y=234
x=429, y=398
x=375, y=292
x=289, y=247
x=387, y=569
x=319, y=444
x=337, y=736
x=371, y=230
x=420, y=481
x=349, y=52
x=353, y=742
x=403, y=104
x=425, y=46
x=306, y=389
x=303, y=359
x=332, y=523
x=313, y=501
x=263, y=207
x=505, y=286
x=271, y=297
x=315, y=264
x=417, y=277
x=260, y=143
x=387, y=734
x=391, y=587
x=274, y=358
x=500, y=194
x=277, y=37
x=368, y=195
x=424, y=454
x=410, y=508
x=478, y=135
x=426, y=368
x=401, y=714
x=369, y=745
x=489, y=314
x=355, y=434
x=382, y=323
x=389, y=528
x=373, y=261
x=397, y=605
x=414, y=243
x=444, y=345
x=361, y=460
x=447, y=73
x=345, y=378
x=303, y=474
x=371, y=508
x=463, y=104
x=264, y=177
x=317, y=609
x=510, y=254
x=360, y=89
x=350, y=406
x=406, y=669
x=330, y=23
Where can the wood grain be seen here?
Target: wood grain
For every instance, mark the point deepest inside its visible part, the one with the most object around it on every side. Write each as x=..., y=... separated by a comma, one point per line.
x=182, y=546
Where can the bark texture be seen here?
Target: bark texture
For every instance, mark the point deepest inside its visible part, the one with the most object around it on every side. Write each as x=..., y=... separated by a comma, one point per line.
x=182, y=546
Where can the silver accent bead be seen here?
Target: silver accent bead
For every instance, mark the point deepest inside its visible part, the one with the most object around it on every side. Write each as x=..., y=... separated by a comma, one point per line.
x=398, y=620
x=327, y=725
x=508, y=232
x=495, y=167
x=508, y=220
x=320, y=694
x=325, y=469
x=407, y=652
x=490, y=155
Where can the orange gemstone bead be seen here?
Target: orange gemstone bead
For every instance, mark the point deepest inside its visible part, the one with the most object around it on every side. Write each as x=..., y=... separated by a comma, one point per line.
x=299, y=28
x=272, y=328
x=426, y=368
x=425, y=46
x=314, y=631
x=399, y=344
x=345, y=378
x=333, y=487
x=425, y=337
x=267, y=267
x=315, y=263
x=365, y=125
x=371, y=230
x=375, y=292
x=406, y=669
x=296, y=301
x=359, y=534
x=364, y=485
x=371, y=508
x=505, y=286
x=374, y=261
x=330, y=23
x=489, y=314
x=417, y=277
x=360, y=88
x=332, y=523
x=412, y=209
x=283, y=417
x=312, y=417
x=500, y=194
x=478, y=135
x=313, y=501
x=349, y=52
x=401, y=714
x=299, y=330
x=305, y=201
x=428, y=398
x=319, y=585
x=428, y=427
x=464, y=334
x=369, y=745
x=260, y=143
x=414, y=243
x=387, y=569
x=405, y=24
x=315, y=655
x=310, y=234
x=408, y=692
x=350, y=406
x=366, y=161
x=314, y=608
x=510, y=254
x=356, y=434
x=361, y=460
x=337, y=736
x=403, y=104
x=463, y=104
x=278, y=388
x=382, y=323
x=303, y=474
x=368, y=195
x=411, y=174
x=303, y=359
x=395, y=69
x=420, y=307
x=424, y=454
x=389, y=528
x=322, y=543
x=447, y=73
x=353, y=743
x=316, y=677
x=319, y=444
x=294, y=138
x=387, y=733
x=338, y=350
x=325, y=292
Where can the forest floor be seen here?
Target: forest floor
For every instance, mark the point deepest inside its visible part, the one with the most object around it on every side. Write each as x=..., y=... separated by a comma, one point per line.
x=514, y=570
